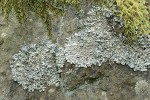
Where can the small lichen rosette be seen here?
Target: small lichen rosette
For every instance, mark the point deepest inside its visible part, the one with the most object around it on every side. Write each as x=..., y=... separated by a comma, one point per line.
x=34, y=66
x=142, y=88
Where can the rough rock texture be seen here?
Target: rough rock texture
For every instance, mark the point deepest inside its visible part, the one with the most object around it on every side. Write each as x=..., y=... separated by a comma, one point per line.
x=109, y=81
x=117, y=82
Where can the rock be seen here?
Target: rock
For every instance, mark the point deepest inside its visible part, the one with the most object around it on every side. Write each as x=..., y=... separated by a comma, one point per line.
x=110, y=81
x=1, y=41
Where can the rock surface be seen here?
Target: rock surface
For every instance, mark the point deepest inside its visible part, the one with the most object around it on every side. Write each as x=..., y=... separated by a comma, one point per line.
x=106, y=82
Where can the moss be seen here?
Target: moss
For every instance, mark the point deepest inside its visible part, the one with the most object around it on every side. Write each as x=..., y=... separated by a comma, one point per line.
x=41, y=8
x=134, y=12
x=135, y=15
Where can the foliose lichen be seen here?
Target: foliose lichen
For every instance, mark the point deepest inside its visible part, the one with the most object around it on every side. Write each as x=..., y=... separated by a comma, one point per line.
x=60, y=58
x=95, y=44
x=34, y=67
x=39, y=65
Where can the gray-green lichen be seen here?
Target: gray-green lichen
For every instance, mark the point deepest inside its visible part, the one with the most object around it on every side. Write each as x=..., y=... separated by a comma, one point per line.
x=60, y=58
x=39, y=65
x=34, y=67
x=95, y=44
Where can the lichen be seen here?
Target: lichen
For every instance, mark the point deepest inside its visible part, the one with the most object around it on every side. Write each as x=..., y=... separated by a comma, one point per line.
x=95, y=44
x=82, y=47
x=34, y=67
x=142, y=88
x=60, y=58
x=39, y=65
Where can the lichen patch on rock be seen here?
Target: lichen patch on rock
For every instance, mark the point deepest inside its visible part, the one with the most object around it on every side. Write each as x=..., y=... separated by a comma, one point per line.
x=96, y=43
x=34, y=66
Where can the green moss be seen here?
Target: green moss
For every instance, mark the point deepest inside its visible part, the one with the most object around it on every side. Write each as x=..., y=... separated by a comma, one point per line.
x=136, y=19
x=133, y=12
x=41, y=8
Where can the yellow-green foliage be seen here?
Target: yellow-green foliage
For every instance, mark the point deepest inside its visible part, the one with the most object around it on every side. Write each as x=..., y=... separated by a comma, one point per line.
x=133, y=12
x=136, y=19
x=41, y=8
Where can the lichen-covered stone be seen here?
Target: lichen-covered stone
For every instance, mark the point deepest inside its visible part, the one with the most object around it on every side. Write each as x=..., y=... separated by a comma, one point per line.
x=34, y=67
x=60, y=58
x=95, y=44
